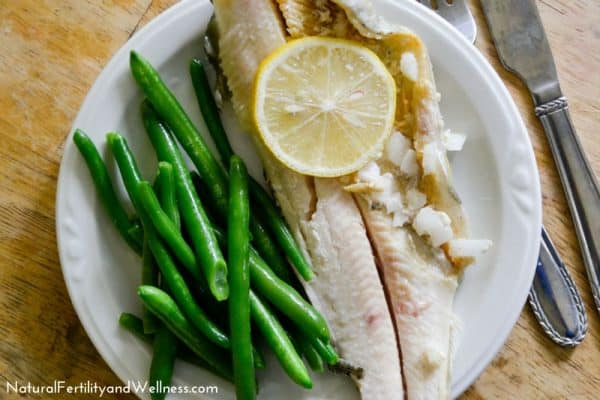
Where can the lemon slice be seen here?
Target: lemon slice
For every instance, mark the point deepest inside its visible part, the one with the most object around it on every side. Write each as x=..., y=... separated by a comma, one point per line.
x=324, y=106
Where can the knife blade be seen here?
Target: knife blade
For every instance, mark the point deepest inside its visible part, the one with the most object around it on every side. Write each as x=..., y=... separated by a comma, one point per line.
x=522, y=47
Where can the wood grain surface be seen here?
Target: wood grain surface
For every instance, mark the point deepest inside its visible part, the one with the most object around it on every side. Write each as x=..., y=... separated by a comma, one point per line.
x=50, y=54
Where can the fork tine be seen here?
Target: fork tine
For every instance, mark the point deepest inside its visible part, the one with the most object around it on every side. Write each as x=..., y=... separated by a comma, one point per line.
x=457, y=13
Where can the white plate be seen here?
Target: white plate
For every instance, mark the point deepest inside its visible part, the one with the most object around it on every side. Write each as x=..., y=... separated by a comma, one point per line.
x=495, y=175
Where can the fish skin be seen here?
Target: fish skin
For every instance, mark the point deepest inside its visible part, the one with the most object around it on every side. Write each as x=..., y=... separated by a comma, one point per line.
x=243, y=44
x=324, y=218
x=420, y=280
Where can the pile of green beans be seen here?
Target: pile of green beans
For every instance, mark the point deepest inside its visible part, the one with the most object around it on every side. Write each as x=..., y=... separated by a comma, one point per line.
x=212, y=269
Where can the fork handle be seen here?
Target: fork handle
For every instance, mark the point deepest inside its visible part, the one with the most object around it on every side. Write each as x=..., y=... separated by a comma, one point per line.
x=579, y=184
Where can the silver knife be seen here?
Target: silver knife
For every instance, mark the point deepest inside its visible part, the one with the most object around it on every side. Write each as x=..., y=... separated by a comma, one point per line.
x=522, y=46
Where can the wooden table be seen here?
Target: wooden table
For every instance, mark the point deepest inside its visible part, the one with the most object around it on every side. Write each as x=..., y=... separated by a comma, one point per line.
x=50, y=54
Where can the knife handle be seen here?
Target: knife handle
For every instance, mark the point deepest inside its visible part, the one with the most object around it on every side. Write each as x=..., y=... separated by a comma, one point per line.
x=554, y=299
x=579, y=184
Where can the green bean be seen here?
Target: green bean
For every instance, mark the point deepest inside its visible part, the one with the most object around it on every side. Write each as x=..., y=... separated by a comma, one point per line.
x=194, y=216
x=313, y=359
x=204, y=195
x=166, y=228
x=166, y=192
x=269, y=252
x=105, y=189
x=239, y=281
x=137, y=233
x=259, y=358
x=165, y=342
x=149, y=277
x=280, y=230
x=134, y=325
x=326, y=351
x=174, y=280
x=286, y=299
x=163, y=306
x=209, y=110
x=188, y=356
x=311, y=355
x=279, y=341
x=136, y=222
x=187, y=134
x=163, y=361
x=217, y=310
x=127, y=167
x=260, y=198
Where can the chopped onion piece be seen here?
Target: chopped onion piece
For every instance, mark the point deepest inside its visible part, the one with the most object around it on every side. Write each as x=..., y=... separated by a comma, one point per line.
x=370, y=173
x=435, y=224
x=409, y=66
x=396, y=148
x=430, y=159
x=390, y=196
x=415, y=199
x=409, y=164
x=468, y=247
x=454, y=141
x=387, y=182
x=394, y=202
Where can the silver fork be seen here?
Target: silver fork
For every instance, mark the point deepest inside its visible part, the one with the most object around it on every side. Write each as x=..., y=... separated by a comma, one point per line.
x=555, y=301
x=457, y=13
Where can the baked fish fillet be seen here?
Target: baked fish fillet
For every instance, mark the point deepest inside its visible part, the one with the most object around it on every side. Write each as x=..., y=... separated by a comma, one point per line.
x=420, y=273
x=323, y=216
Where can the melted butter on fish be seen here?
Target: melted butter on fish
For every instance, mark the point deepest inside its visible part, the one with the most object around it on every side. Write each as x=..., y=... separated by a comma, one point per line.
x=420, y=279
x=323, y=217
